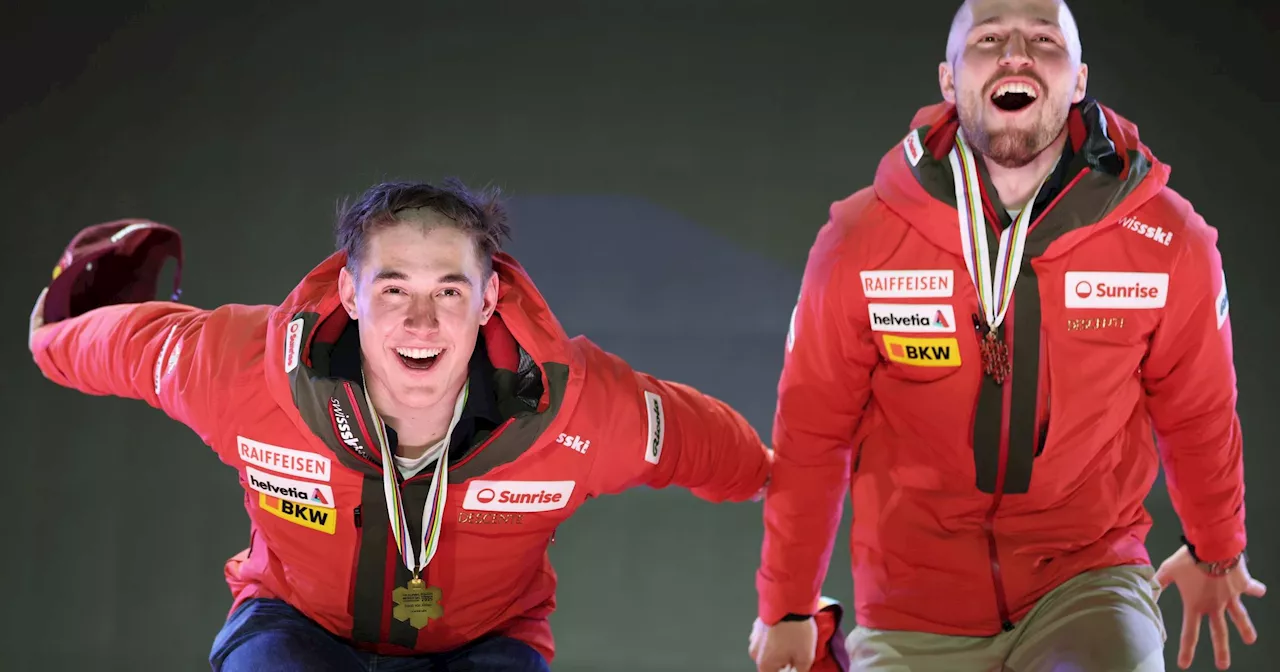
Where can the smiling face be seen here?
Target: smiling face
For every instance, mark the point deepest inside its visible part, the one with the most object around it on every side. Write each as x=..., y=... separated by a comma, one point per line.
x=1013, y=71
x=420, y=293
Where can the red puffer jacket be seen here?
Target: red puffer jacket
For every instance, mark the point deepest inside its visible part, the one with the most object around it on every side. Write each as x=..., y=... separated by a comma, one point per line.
x=260, y=385
x=973, y=499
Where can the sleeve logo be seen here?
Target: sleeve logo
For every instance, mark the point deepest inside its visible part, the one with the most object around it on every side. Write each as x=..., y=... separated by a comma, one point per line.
x=292, y=345
x=914, y=150
x=791, y=328
x=653, y=445
x=1222, y=304
x=159, y=371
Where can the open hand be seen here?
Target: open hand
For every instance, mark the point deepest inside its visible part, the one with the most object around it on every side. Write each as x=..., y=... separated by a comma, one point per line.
x=1213, y=596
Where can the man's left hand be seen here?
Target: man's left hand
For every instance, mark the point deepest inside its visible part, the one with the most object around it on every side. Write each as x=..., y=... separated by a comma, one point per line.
x=1212, y=596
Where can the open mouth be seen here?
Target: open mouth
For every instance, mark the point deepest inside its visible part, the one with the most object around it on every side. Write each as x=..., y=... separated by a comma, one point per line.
x=419, y=359
x=1013, y=96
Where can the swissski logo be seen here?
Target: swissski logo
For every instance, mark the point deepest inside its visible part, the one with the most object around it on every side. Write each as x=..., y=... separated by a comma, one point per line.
x=1155, y=233
x=346, y=429
x=1096, y=289
x=912, y=318
x=575, y=442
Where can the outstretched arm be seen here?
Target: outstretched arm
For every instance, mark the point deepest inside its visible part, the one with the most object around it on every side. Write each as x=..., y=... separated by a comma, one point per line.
x=664, y=433
x=177, y=358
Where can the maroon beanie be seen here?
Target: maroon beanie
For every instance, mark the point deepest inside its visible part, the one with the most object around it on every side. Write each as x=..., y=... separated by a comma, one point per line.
x=111, y=263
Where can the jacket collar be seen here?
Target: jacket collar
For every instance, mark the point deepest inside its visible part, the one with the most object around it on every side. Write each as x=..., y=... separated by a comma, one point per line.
x=915, y=181
x=479, y=413
x=515, y=347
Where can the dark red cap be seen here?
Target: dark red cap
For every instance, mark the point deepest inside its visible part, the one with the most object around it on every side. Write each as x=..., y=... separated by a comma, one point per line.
x=111, y=263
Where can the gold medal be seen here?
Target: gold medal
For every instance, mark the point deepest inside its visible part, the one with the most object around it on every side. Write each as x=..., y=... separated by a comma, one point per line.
x=417, y=603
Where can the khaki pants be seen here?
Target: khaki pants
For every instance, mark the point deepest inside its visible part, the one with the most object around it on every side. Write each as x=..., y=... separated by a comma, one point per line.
x=1101, y=621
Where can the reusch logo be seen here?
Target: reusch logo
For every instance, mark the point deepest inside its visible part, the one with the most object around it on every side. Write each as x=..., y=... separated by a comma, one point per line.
x=1222, y=302
x=922, y=351
x=342, y=424
x=911, y=318
x=1086, y=289
x=653, y=445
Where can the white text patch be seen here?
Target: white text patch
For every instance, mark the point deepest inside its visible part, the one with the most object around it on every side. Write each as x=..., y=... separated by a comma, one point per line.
x=657, y=427
x=912, y=318
x=284, y=460
x=1095, y=289
x=302, y=492
x=522, y=496
x=907, y=284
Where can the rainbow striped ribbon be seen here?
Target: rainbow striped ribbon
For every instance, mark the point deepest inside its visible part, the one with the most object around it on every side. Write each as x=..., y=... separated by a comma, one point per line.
x=996, y=293
x=433, y=510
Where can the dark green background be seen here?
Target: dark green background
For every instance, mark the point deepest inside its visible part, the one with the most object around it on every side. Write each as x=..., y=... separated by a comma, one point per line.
x=668, y=162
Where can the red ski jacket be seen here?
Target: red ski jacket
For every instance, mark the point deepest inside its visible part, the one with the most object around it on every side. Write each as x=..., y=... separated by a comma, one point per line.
x=258, y=384
x=973, y=499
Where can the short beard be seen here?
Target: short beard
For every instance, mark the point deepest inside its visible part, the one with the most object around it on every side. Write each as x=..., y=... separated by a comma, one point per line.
x=1010, y=149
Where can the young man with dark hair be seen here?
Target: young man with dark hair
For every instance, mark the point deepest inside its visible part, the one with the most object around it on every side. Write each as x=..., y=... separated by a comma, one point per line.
x=417, y=344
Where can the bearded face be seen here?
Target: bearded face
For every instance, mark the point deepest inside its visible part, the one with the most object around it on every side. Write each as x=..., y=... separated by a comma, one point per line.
x=1013, y=75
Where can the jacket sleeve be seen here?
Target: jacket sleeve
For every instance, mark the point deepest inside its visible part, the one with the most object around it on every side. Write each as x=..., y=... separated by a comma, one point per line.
x=1190, y=381
x=179, y=359
x=666, y=433
x=824, y=386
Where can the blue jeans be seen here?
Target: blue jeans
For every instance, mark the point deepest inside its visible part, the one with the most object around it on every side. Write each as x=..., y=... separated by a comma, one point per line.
x=265, y=635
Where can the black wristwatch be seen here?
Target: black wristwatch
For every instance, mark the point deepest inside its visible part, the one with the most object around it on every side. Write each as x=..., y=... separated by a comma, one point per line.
x=795, y=617
x=1219, y=568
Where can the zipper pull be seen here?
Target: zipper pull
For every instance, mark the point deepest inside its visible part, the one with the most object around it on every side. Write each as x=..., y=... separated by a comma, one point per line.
x=356, y=514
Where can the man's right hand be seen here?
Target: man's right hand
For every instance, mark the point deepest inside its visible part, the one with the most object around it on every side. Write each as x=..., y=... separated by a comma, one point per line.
x=789, y=645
